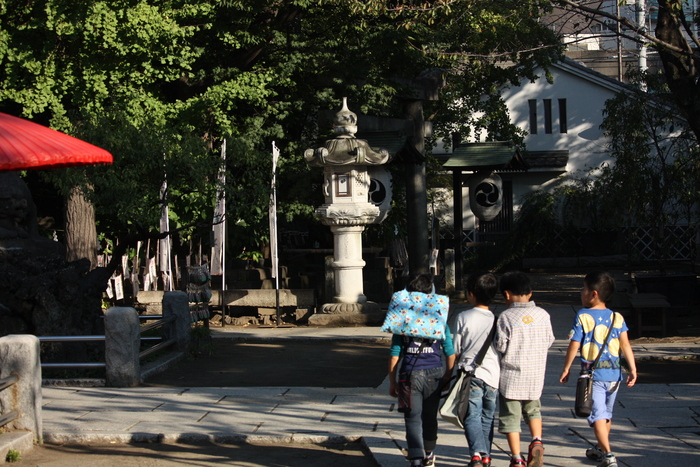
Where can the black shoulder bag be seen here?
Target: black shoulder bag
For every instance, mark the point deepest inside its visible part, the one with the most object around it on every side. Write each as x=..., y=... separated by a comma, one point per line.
x=584, y=384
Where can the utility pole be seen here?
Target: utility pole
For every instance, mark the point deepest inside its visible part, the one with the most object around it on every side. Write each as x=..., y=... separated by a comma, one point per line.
x=641, y=22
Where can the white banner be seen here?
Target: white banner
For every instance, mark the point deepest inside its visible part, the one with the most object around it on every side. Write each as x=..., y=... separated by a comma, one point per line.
x=219, y=225
x=118, y=287
x=273, y=214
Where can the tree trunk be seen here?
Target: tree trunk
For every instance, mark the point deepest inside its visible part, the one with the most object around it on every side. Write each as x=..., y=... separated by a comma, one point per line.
x=81, y=233
x=681, y=71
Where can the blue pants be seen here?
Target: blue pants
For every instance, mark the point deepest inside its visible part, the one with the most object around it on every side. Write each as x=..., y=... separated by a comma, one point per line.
x=478, y=424
x=604, y=395
x=421, y=422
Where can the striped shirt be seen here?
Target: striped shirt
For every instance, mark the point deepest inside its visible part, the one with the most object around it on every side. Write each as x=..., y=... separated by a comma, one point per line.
x=523, y=335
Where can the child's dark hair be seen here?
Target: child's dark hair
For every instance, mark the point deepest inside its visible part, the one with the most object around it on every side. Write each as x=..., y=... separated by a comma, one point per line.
x=516, y=282
x=601, y=282
x=484, y=286
x=421, y=283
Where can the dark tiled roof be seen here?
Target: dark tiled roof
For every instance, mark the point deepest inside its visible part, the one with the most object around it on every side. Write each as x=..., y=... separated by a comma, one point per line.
x=547, y=159
x=498, y=155
x=392, y=141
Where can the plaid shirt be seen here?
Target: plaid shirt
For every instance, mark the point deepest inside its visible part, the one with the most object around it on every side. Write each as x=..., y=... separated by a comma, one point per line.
x=523, y=335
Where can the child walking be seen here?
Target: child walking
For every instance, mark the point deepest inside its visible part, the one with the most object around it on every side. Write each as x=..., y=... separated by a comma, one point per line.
x=423, y=362
x=591, y=328
x=472, y=328
x=523, y=335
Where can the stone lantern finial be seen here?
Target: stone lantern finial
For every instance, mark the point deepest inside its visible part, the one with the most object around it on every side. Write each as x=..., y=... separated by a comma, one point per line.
x=345, y=122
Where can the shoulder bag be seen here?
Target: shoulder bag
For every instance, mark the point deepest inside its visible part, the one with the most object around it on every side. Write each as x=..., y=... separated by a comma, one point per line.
x=456, y=405
x=584, y=385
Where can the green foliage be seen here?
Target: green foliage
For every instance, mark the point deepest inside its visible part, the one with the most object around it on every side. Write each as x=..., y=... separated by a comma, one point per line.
x=161, y=83
x=13, y=455
x=653, y=177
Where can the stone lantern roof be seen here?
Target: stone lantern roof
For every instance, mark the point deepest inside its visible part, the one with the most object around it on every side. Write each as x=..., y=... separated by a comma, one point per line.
x=345, y=149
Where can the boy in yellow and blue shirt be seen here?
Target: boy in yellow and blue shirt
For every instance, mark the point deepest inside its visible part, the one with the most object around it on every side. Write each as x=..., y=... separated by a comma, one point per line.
x=589, y=333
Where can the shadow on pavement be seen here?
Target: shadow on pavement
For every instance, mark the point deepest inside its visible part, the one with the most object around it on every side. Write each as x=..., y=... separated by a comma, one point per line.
x=351, y=454
x=280, y=363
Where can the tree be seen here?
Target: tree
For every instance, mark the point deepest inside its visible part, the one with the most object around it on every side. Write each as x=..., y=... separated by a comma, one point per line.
x=675, y=40
x=160, y=83
x=653, y=178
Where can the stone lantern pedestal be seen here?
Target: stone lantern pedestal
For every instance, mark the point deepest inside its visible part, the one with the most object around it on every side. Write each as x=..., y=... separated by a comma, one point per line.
x=347, y=210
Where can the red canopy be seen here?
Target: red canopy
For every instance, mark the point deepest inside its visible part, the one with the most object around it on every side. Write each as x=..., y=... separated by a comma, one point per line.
x=28, y=145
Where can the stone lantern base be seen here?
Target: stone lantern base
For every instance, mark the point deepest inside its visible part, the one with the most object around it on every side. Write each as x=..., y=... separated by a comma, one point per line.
x=348, y=314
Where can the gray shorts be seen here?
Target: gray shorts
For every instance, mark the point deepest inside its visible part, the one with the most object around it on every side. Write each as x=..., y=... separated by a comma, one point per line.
x=512, y=412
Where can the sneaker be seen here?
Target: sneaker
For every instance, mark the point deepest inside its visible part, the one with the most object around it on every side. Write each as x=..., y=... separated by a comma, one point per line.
x=608, y=460
x=594, y=454
x=429, y=460
x=486, y=460
x=476, y=461
x=416, y=462
x=517, y=462
x=535, y=454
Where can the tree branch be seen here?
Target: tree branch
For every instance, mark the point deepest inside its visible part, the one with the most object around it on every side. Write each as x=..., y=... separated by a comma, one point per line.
x=640, y=31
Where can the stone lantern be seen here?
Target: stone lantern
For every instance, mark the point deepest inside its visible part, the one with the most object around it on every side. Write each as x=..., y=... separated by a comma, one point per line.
x=347, y=209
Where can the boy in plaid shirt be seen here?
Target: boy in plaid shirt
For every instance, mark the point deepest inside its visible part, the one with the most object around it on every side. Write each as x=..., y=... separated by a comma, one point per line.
x=523, y=335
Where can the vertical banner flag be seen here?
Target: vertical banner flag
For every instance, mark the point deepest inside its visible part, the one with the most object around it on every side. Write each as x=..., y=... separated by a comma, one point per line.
x=164, y=243
x=273, y=215
x=219, y=227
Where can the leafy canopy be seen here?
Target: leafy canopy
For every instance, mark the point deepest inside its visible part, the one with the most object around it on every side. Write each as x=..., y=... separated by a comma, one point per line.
x=161, y=83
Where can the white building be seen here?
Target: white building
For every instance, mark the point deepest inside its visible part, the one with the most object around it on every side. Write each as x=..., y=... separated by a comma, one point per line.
x=562, y=120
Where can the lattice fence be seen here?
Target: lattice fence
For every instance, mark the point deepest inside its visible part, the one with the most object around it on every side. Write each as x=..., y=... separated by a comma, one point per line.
x=679, y=241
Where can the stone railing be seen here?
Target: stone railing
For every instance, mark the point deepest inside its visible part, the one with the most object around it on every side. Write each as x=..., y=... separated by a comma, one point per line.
x=20, y=401
x=123, y=338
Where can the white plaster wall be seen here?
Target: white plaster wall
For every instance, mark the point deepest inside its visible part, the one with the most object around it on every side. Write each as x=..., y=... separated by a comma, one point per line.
x=585, y=102
x=587, y=146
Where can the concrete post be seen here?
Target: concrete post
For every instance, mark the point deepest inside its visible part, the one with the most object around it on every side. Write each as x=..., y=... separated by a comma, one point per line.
x=122, y=346
x=177, y=304
x=417, y=195
x=19, y=355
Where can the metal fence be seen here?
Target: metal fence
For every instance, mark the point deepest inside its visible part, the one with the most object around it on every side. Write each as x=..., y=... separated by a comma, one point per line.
x=158, y=323
x=14, y=414
x=679, y=243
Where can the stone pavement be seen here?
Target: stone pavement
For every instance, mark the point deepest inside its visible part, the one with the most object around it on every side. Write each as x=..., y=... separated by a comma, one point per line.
x=655, y=424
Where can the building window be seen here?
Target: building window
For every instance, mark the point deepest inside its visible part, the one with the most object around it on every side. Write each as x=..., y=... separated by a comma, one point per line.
x=533, y=116
x=563, y=127
x=547, y=116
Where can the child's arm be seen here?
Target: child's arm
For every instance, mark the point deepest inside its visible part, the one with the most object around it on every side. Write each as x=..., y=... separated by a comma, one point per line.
x=393, y=386
x=450, y=356
x=449, y=368
x=569, y=359
x=626, y=348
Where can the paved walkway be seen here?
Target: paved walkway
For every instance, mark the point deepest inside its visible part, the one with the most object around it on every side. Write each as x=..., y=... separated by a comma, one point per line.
x=655, y=424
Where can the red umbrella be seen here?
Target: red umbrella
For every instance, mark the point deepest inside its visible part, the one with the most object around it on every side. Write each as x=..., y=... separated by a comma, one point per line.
x=28, y=145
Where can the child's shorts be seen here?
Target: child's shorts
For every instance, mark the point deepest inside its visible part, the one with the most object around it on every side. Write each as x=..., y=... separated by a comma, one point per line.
x=604, y=395
x=510, y=413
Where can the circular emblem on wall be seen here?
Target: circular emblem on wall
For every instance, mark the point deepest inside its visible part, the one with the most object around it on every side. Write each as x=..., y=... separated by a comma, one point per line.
x=379, y=193
x=485, y=195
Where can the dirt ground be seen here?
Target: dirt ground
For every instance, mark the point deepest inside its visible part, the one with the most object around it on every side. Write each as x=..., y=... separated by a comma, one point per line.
x=177, y=455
